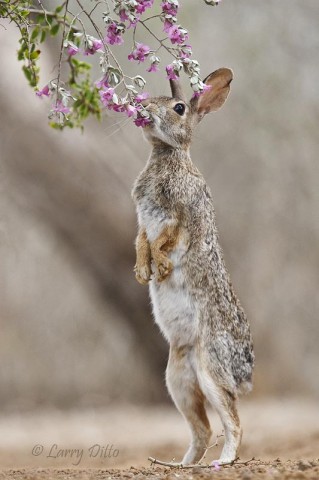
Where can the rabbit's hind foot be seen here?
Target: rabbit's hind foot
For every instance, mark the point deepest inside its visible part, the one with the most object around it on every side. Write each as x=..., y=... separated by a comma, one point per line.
x=225, y=460
x=231, y=446
x=184, y=389
x=194, y=454
x=225, y=403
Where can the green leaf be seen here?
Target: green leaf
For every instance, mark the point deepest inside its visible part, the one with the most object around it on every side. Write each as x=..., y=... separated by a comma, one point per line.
x=24, y=13
x=27, y=72
x=35, y=33
x=34, y=55
x=43, y=35
x=82, y=66
x=20, y=55
x=59, y=9
x=40, y=18
x=54, y=30
x=56, y=126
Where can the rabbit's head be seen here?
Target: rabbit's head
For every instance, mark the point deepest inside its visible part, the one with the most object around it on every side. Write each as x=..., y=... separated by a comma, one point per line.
x=173, y=119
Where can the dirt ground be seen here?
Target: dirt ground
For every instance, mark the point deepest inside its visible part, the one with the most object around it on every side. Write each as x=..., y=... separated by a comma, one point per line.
x=281, y=436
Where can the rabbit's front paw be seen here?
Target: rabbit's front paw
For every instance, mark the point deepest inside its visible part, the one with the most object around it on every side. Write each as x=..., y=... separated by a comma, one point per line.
x=164, y=268
x=143, y=273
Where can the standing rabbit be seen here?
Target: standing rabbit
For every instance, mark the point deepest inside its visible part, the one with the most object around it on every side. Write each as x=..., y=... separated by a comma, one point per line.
x=178, y=253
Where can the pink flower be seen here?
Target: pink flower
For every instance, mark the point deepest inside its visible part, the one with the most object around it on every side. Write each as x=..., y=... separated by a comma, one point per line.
x=141, y=96
x=133, y=19
x=106, y=96
x=167, y=26
x=185, y=52
x=97, y=46
x=114, y=34
x=169, y=9
x=131, y=110
x=171, y=74
x=200, y=92
x=177, y=35
x=72, y=50
x=134, y=22
x=143, y=5
x=139, y=53
x=153, y=68
x=45, y=91
x=103, y=82
x=60, y=108
x=123, y=15
x=142, y=121
x=216, y=465
x=117, y=107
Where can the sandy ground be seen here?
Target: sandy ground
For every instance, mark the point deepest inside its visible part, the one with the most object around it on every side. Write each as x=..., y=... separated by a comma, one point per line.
x=282, y=436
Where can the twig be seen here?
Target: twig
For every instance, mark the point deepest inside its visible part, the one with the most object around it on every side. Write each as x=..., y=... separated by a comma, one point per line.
x=199, y=465
x=106, y=48
x=160, y=41
x=61, y=53
x=44, y=13
x=246, y=462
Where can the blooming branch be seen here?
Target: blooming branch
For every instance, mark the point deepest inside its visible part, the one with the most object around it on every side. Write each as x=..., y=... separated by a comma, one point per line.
x=79, y=95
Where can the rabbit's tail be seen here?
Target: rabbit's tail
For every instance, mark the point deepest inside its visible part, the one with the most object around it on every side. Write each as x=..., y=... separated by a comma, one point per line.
x=244, y=388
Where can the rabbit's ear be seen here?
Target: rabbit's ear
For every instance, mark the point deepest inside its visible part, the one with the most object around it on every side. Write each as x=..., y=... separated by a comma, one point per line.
x=214, y=97
x=176, y=89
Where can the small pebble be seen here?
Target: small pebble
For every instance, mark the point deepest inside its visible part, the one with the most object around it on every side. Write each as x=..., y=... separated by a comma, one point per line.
x=303, y=465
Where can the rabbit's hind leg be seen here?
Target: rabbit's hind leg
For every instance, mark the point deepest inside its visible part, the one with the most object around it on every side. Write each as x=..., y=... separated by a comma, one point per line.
x=225, y=404
x=184, y=389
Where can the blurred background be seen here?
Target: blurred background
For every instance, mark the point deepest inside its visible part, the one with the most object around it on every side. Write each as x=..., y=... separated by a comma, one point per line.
x=76, y=328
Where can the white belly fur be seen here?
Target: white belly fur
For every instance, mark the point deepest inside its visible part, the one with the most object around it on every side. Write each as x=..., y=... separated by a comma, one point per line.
x=173, y=307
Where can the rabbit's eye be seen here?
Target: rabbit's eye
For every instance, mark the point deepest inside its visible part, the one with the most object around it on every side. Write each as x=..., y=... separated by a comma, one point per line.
x=179, y=108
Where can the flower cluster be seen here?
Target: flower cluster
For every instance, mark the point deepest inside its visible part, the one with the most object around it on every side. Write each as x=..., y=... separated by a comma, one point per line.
x=154, y=63
x=140, y=52
x=177, y=34
x=45, y=91
x=142, y=5
x=93, y=45
x=115, y=90
x=131, y=10
x=132, y=108
x=61, y=104
x=114, y=33
x=173, y=70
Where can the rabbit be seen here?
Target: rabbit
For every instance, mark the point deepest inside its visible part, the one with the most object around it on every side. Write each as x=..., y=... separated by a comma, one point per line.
x=178, y=254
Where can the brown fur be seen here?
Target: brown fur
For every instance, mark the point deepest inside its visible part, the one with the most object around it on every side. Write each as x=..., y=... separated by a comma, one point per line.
x=191, y=404
x=157, y=252
x=142, y=267
x=199, y=406
x=211, y=352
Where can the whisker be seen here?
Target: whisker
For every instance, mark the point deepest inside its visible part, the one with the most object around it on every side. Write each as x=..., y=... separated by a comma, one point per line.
x=109, y=127
x=122, y=124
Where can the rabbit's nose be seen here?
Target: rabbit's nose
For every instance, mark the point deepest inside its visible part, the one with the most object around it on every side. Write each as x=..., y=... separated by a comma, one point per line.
x=145, y=102
x=150, y=106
